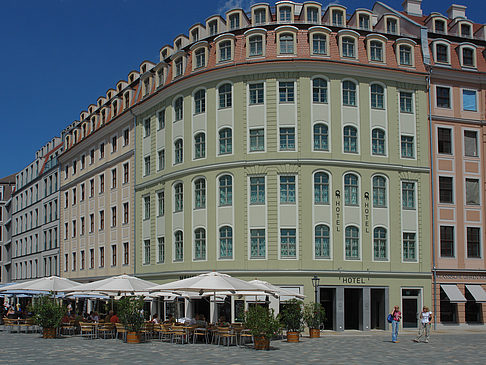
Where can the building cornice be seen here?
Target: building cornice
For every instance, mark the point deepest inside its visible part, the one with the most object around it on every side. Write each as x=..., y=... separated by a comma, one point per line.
x=443, y=118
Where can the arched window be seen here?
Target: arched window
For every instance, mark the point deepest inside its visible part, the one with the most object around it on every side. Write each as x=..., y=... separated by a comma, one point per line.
x=226, y=242
x=378, y=142
x=321, y=188
x=319, y=90
x=178, y=246
x=377, y=96
x=285, y=14
x=225, y=51
x=225, y=141
x=178, y=197
x=200, y=194
x=441, y=53
x=178, y=151
x=286, y=43
x=200, y=244
x=200, y=145
x=178, y=108
x=322, y=248
x=200, y=57
x=321, y=137
x=349, y=93
x=259, y=16
x=225, y=190
x=379, y=244
x=379, y=192
x=225, y=96
x=319, y=44
x=376, y=51
x=405, y=55
x=200, y=101
x=350, y=134
x=352, y=243
x=351, y=189
x=348, y=47
x=256, y=45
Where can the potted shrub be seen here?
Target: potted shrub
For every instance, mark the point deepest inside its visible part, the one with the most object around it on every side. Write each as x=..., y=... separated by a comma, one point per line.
x=262, y=324
x=47, y=313
x=314, y=317
x=291, y=318
x=131, y=316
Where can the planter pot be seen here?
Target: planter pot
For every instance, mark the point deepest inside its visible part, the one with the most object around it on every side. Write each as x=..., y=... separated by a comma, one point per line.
x=49, y=333
x=292, y=336
x=314, y=333
x=261, y=343
x=133, y=337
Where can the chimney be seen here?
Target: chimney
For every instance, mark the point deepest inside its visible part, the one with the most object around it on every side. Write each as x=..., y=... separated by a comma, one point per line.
x=456, y=11
x=412, y=7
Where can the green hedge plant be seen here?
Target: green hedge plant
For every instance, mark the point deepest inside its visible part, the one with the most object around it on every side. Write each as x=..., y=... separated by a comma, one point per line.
x=314, y=315
x=291, y=316
x=130, y=313
x=261, y=322
x=47, y=312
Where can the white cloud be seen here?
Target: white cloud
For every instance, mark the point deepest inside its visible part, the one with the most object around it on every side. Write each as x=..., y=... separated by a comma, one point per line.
x=225, y=5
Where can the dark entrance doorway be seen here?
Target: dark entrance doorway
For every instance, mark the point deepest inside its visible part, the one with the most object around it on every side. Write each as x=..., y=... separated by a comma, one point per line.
x=377, y=309
x=410, y=307
x=473, y=309
x=202, y=306
x=353, y=309
x=327, y=299
x=448, y=310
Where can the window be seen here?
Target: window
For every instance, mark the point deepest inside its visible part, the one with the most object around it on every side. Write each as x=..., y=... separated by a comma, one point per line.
x=225, y=190
x=199, y=145
x=257, y=190
x=146, y=205
x=257, y=244
x=225, y=96
x=321, y=137
x=379, y=244
x=102, y=184
x=160, y=250
x=178, y=151
x=257, y=139
x=179, y=67
x=146, y=171
x=234, y=20
x=468, y=57
x=102, y=151
x=178, y=110
x=377, y=96
x=91, y=156
x=125, y=173
x=409, y=246
x=349, y=93
x=439, y=26
x=379, y=192
x=179, y=197
x=256, y=93
x=444, y=140
x=472, y=192
x=446, y=241
x=146, y=128
x=225, y=141
x=364, y=21
x=443, y=97
x=391, y=26
x=285, y=14
x=113, y=255
x=319, y=44
x=321, y=188
x=125, y=213
x=200, y=102
x=256, y=45
x=287, y=139
x=200, y=193
x=74, y=261
x=73, y=225
x=91, y=223
x=225, y=242
x=473, y=242
x=319, y=90
x=161, y=156
x=287, y=190
x=352, y=243
x=471, y=143
x=286, y=43
x=465, y=30
x=213, y=27
x=126, y=253
x=405, y=55
x=321, y=242
x=378, y=142
x=405, y=102
x=351, y=190
x=469, y=101
x=102, y=220
x=179, y=246
x=146, y=252
x=348, y=47
x=114, y=144
x=376, y=51
x=445, y=190
x=200, y=244
x=350, y=134
x=288, y=243
x=113, y=216
x=408, y=195
x=113, y=178
x=126, y=137
x=312, y=15
x=337, y=18
x=225, y=51
x=82, y=192
x=91, y=258
x=441, y=53
x=286, y=91
x=259, y=16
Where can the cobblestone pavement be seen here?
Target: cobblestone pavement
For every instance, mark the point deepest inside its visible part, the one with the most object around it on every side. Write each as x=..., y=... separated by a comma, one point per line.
x=345, y=348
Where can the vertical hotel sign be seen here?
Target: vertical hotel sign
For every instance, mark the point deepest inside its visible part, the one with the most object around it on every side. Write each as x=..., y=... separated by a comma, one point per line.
x=338, y=211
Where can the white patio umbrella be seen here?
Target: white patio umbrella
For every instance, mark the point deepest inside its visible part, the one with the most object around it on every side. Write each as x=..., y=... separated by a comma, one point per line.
x=123, y=284
x=48, y=284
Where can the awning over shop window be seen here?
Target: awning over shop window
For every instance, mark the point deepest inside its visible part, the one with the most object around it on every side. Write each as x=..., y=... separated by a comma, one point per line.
x=477, y=292
x=453, y=293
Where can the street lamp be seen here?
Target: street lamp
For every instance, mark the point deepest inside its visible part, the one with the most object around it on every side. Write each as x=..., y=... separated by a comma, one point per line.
x=315, y=284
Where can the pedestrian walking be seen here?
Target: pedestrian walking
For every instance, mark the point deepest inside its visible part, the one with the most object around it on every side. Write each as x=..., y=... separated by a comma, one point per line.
x=397, y=316
x=424, y=326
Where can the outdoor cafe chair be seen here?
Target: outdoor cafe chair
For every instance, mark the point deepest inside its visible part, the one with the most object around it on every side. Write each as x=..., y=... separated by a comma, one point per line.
x=107, y=329
x=165, y=332
x=147, y=330
x=198, y=332
x=68, y=328
x=226, y=334
x=9, y=324
x=178, y=332
x=244, y=335
x=87, y=330
x=121, y=330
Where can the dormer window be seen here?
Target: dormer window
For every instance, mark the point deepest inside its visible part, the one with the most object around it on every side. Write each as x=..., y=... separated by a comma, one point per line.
x=439, y=25
x=364, y=21
x=103, y=117
x=178, y=44
x=405, y=55
x=195, y=35
x=260, y=16
x=234, y=21
x=391, y=26
x=225, y=51
x=348, y=47
x=337, y=18
x=146, y=84
x=285, y=14
x=200, y=58
x=127, y=100
x=376, y=51
x=441, y=53
x=256, y=45
x=213, y=27
x=178, y=67
x=319, y=44
x=312, y=15
x=115, y=108
x=287, y=43
x=465, y=30
x=468, y=57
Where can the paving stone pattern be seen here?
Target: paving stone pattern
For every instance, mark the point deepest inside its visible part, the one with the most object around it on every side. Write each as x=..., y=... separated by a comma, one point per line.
x=347, y=348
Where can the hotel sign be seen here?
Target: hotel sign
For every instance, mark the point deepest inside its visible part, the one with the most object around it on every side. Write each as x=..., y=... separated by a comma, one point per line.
x=338, y=211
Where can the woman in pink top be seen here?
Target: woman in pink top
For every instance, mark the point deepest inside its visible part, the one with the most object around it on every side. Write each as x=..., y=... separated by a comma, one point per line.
x=397, y=315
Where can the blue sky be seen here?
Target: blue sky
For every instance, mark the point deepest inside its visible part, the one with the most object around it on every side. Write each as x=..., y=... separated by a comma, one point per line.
x=58, y=56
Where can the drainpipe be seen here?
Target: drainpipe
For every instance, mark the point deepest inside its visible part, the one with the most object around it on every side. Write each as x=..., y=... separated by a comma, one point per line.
x=134, y=182
x=432, y=182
